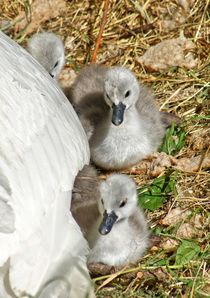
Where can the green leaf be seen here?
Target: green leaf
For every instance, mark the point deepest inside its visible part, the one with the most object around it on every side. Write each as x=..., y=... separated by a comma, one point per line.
x=186, y=252
x=162, y=262
x=152, y=202
x=154, y=195
x=157, y=230
x=174, y=140
x=200, y=117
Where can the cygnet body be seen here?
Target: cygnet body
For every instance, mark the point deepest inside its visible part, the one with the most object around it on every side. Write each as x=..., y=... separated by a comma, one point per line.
x=118, y=114
x=85, y=196
x=47, y=48
x=120, y=235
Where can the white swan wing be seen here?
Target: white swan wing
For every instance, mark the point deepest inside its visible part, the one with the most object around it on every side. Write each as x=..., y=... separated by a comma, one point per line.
x=42, y=147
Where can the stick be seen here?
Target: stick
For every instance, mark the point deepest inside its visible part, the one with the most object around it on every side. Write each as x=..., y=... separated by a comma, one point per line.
x=99, y=38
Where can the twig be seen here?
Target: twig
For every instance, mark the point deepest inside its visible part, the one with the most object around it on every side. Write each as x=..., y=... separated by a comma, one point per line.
x=196, y=277
x=202, y=159
x=111, y=277
x=201, y=21
x=99, y=38
x=203, y=156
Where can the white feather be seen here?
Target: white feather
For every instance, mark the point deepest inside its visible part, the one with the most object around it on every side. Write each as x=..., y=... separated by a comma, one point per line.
x=42, y=147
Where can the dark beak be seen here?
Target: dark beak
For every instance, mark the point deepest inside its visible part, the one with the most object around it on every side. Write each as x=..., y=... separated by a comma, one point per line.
x=118, y=113
x=107, y=222
x=51, y=75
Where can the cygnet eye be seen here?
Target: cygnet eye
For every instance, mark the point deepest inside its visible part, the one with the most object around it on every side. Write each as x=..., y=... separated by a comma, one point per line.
x=122, y=204
x=127, y=93
x=56, y=64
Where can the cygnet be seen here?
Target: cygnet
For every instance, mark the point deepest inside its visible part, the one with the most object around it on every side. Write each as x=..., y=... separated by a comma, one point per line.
x=118, y=114
x=85, y=195
x=47, y=48
x=120, y=235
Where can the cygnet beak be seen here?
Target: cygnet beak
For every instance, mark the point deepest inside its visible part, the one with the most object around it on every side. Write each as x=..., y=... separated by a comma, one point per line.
x=51, y=75
x=118, y=113
x=107, y=222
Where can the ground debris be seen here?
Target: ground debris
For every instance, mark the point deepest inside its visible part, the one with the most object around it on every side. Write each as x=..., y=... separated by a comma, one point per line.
x=174, y=216
x=169, y=53
x=177, y=17
x=187, y=231
x=67, y=77
x=126, y=275
x=193, y=228
x=200, y=140
x=186, y=4
x=172, y=14
x=206, y=289
x=154, y=241
x=97, y=269
x=198, y=221
x=192, y=164
x=39, y=12
x=156, y=164
x=5, y=25
x=169, y=245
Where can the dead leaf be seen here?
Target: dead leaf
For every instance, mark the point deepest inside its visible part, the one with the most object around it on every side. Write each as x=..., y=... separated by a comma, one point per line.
x=161, y=162
x=205, y=290
x=69, y=43
x=192, y=164
x=194, y=228
x=174, y=216
x=140, y=275
x=169, y=53
x=67, y=77
x=41, y=11
x=158, y=162
x=200, y=140
x=161, y=275
x=154, y=165
x=187, y=231
x=154, y=241
x=168, y=25
x=186, y=4
x=170, y=245
x=170, y=19
x=197, y=221
x=164, y=160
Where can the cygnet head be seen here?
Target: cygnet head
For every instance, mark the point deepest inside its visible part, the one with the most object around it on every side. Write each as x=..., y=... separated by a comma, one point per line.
x=48, y=50
x=118, y=201
x=121, y=91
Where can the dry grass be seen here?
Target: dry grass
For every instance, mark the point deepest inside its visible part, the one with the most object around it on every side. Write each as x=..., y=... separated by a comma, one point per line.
x=132, y=27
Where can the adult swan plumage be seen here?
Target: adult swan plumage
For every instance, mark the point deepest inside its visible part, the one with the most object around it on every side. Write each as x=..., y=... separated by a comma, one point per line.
x=42, y=147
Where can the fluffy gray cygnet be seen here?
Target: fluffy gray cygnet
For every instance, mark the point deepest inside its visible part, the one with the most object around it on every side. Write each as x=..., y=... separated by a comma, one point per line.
x=47, y=48
x=118, y=114
x=119, y=235
x=109, y=217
